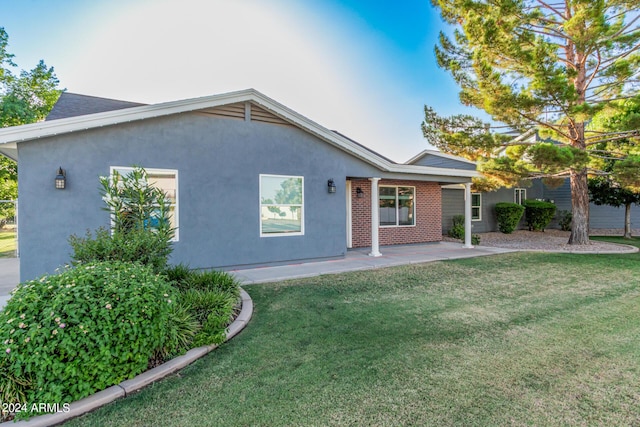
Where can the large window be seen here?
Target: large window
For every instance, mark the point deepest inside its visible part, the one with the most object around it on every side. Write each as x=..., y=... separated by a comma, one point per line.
x=397, y=206
x=476, y=207
x=519, y=195
x=281, y=205
x=167, y=181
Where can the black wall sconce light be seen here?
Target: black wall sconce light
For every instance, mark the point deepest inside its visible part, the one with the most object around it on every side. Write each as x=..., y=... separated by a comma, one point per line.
x=359, y=193
x=61, y=179
x=331, y=186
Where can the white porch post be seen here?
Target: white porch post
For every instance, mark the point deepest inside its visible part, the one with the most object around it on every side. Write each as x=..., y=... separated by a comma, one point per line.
x=375, y=218
x=467, y=215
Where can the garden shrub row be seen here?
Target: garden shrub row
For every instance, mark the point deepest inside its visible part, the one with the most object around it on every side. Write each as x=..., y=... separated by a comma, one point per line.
x=538, y=215
x=116, y=311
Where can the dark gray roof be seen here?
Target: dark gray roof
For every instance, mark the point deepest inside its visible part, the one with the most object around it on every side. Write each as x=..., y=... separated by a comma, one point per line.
x=73, y=104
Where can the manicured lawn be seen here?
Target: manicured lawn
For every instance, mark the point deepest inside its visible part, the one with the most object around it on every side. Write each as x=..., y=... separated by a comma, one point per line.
x=7, y=244
x=515, y=339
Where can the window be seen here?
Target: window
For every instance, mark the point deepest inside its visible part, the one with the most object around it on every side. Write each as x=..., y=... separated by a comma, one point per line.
x=281, y=205
x=397, y=207
x=167, y=181
x=476, y=206
x=519, y=195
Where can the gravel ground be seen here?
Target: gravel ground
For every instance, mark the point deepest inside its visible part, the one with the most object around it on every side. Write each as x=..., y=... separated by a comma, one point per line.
x=549, y=240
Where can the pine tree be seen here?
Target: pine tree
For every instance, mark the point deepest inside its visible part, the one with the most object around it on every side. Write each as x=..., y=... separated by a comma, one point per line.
x=546, y=66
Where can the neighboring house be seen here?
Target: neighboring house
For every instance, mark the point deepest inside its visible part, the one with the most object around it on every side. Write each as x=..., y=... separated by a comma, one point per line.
x=251, y=181
x=483, y=204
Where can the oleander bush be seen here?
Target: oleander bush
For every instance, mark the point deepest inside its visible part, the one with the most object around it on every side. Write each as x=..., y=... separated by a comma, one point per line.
x=508, y=216
x=538, y=214
x=68, y=335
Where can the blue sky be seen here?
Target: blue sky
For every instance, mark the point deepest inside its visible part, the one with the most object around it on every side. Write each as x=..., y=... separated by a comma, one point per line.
x=364, y=68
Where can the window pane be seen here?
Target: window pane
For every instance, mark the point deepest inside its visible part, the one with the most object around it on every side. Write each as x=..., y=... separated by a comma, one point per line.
x=387, y=205
x=475, y=213
x=281, y=190
x=405, y=208
x=476, y=204
x=281, y=219
x=281, y=204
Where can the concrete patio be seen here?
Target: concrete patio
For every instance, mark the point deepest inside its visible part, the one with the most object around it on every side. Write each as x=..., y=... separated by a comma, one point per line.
x=357, y=259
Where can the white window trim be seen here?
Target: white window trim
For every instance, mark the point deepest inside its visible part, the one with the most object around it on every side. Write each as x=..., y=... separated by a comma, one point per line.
x=124, y=170
x=523, y=195
x=302, y=213
x=397, y=216
x=479, y=207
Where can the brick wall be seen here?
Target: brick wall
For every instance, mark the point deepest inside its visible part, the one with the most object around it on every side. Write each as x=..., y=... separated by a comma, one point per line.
x=428, y=221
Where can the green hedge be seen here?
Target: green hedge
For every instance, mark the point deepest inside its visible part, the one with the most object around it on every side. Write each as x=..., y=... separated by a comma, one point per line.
x=508, y=216
x=68, y=335
x=538, y=214
x=143, y=246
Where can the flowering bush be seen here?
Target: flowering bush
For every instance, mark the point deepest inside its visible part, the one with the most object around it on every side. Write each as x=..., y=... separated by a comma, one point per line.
x=66, y=336
x=140, y=217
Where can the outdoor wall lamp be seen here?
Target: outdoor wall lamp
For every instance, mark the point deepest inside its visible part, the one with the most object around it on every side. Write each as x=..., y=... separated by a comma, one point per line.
x=61, y=179
x=359, y=193
x=331, y=186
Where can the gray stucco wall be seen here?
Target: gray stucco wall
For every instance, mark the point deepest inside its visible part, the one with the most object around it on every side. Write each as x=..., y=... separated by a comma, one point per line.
x=219, y=161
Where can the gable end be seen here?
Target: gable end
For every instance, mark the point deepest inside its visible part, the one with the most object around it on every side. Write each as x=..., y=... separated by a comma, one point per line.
x=239, y=110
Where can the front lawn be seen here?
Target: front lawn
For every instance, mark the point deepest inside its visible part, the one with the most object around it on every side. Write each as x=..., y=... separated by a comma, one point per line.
x=514, y=339
x=7, y=244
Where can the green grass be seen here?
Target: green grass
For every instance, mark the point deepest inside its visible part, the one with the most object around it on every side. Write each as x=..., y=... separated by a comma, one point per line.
x=7, y=244
x=514, y=339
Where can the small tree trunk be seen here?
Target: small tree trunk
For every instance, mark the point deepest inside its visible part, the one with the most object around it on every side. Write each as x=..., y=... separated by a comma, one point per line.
x=579, y=207
x=627, y=221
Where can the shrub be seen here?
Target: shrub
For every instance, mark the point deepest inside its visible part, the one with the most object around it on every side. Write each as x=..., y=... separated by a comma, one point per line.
x=539, y=214
x=182, y=326
x=178, y=274
x=508, y=216
x=213, y=310
x=211, y=297
x=143, y=246
x=457, y=230
x=140, y=214
x=68, y=335
x=564, y=220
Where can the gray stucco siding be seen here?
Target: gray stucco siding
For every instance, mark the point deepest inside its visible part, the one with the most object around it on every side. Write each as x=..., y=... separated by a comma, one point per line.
x=218, y=160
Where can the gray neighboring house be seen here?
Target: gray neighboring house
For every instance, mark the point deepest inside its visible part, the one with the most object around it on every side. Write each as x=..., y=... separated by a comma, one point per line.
x=225, y=161
x=483, y=204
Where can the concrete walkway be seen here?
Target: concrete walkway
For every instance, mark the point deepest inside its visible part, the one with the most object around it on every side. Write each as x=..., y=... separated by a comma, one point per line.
x=359, y=260
x=354, y=260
